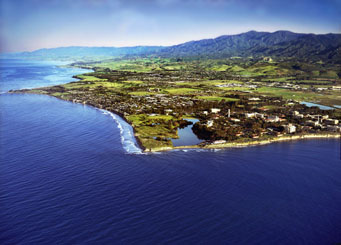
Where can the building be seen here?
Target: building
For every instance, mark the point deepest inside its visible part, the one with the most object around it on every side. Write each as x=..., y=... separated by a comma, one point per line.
x=249, y=115
x=312, y=123
x=273, y=119
x=259, y=115
x=209, y=123
x=167, y=111
x=331, y=121
x=215, y=110
x=254, y=114
x=321, y=89
x=219, y=142
x=333, y=128
x=267, y=59
x=336, y=88
x=234, y=119
x=289, y=129
x=298, y=116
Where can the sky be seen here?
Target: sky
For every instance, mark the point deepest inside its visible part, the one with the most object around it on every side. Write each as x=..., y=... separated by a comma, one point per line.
x=27, y=25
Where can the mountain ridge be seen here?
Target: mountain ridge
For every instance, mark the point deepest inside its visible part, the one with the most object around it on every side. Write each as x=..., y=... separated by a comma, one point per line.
x=252, y=43
x=281, y=43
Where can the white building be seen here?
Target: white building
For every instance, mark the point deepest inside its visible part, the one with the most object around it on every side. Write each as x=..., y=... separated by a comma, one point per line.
x=289, y=129
x=209, y=123
x=219, y=142
x=167, y=111
x=312, y=123
x=215, y=110
x=273, y=119
x=254, y=114
x=249, y=115
x=336, y=88
x=234, y=119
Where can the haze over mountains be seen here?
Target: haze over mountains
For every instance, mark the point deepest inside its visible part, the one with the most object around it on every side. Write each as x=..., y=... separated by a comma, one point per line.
x=325, y=47
x=280, y=43
x=86, y=52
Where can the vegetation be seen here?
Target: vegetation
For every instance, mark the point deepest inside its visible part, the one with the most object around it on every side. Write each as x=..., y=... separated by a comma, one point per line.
x=306, y=47
x=234, y=99
x=322, y=49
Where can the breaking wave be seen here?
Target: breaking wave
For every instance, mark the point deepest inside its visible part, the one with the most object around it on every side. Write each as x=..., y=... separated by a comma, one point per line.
x=127, y=134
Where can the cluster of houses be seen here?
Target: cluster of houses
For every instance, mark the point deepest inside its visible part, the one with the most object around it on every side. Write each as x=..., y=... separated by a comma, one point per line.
x=321, y=121
x=165, y=104
x=306, y=122
x=267, y=118
x=244, y=85
x=128, y=102
x=295, y=86
x=312, y=121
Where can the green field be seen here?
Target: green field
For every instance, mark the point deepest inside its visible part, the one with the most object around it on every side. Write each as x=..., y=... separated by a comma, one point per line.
x=179, y=91
x=216, y=98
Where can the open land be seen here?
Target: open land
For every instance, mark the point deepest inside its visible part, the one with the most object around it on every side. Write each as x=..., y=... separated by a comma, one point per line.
x=238, y=101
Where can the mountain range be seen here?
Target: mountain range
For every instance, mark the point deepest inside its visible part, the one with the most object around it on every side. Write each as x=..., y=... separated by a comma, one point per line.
x=326, y=47
x=79, y=52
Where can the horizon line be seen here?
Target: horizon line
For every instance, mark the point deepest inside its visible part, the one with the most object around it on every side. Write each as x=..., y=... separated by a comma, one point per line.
x=164, y=46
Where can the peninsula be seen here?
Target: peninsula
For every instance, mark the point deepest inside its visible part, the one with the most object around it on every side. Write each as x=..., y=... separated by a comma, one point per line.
x=237, y=100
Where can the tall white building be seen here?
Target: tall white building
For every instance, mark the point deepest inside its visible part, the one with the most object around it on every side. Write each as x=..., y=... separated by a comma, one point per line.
x=289, y=129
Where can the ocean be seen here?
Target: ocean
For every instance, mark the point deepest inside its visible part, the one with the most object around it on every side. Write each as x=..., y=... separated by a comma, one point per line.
x=72, y=174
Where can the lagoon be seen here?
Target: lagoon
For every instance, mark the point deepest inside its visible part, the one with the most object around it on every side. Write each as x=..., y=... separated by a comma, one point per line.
x=186, y=135
x=71, y=174
x=322, y=107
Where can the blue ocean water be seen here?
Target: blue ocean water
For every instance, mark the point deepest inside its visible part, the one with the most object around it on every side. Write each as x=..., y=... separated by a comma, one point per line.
x=69, y=174
x=20, y=74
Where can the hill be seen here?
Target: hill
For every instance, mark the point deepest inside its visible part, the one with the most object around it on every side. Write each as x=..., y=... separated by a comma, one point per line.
x=276, y=44
x=284, y=44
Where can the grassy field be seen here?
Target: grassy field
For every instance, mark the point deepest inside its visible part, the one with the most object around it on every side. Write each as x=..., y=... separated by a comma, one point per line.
x=145, y=89
x=315, y=75
x=179, y=91
x=89, y=78
x=285, y=93
x=152, y=130
x=216, y=98
x=141, y=93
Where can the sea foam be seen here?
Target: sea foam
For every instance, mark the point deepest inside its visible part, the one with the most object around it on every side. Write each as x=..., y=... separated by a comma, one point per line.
x=127, y=134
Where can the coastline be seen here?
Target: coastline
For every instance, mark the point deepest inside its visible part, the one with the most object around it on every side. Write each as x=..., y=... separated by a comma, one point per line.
x=208, y=146
x=138, y=142
x=252, y=143
x=272, y=140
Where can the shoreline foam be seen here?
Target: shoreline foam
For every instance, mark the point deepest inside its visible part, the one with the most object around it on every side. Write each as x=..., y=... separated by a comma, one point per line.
x=141, y=149
x=128, y=139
